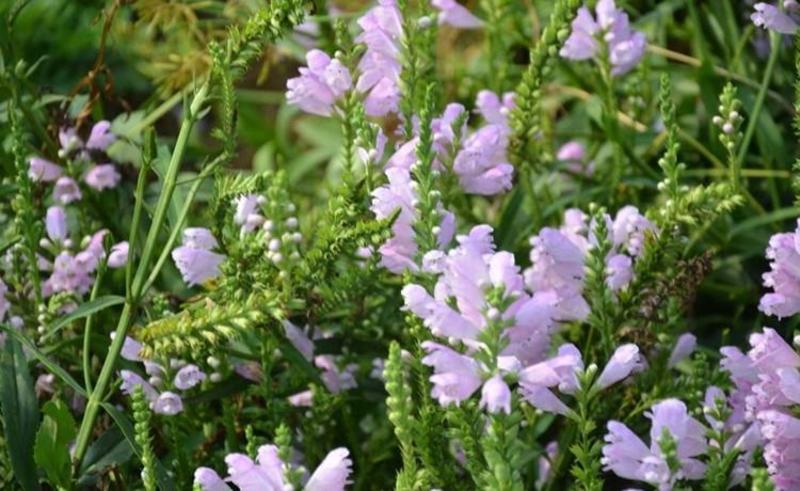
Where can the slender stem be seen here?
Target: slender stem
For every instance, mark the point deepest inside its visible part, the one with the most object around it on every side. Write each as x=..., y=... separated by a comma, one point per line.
x=170, y=180
x=691, y=61
x=96, y=395
x=162, y=109
x=87, y=332
x=753, y=122
x=178, y=225
x=134, y=295
x=137, y=218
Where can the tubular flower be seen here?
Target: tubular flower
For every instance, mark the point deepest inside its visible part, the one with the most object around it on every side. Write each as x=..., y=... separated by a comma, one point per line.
x=194, y=258
x=769, y=16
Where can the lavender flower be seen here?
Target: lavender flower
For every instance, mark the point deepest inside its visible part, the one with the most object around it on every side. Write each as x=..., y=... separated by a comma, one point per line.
x=782, y=433
x=267, y=472
x=320, y=85
x=102, y=177
x=101, y=136
x=118, y=256
x=625, y=360
x=625, y=46
x=69, y=140
x=627, y=456
x=558, y=267
x=380, y=67
x=247, y=212
x=188, y=376
x=771, y=17
x=66, y=191
x=209, y=480
x=168, y=404
x=194, y=258
x=56, y=224
x=456, y=15
x=456, y=377
x=42, y=170
x=684, y=347
x=70, y=274
x=335, y=380
x=573, y=155
x=536, y=381
x=482, y=165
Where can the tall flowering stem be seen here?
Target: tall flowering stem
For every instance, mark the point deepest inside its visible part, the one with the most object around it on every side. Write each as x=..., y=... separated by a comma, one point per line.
x=134, y=294
x=600, y=297
x=400, y=408
x=25, y=221
x=141, y=416
x=586, y=450
x=749, y=132
x=526, y=117
x=243, y=45
x=425, y=179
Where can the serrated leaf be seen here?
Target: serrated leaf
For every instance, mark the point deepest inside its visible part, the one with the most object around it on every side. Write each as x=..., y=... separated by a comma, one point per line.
x=51, y=451
x=20, y=413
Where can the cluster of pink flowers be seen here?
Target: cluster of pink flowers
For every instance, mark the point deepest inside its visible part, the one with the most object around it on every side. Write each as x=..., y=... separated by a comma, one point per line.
x=382, y=33
x=766, y=395
x=611, y=27
x=629, y=457
x=558, y=257
x=185, y=376
x=97, y=176
x=482, y=163
x=477, y=288
x=320, y=85
x=72, y=271
x=269, y=473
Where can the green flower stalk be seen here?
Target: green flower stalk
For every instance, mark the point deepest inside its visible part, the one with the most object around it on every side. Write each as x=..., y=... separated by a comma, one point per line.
x=141, y=417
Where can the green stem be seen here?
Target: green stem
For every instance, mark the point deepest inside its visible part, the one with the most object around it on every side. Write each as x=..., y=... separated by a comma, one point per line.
x=753, y=122
x=134, y=295
x=87, y=332
x=176, y=229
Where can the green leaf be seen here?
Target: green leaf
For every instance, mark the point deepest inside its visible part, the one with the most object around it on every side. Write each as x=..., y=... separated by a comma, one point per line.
x=109, y=450
x=51, y=451
x=85, y=310
x=20, y=413
x=51, y=366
